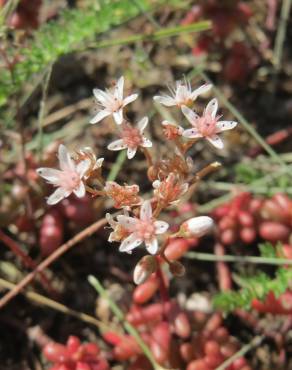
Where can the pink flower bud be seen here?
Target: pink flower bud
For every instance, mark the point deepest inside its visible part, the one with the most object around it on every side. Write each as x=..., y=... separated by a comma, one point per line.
x=196, y=226
x=144, y=268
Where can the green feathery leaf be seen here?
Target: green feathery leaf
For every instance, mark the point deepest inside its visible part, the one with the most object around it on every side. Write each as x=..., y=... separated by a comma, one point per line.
x=254, y=287
x=67, y=34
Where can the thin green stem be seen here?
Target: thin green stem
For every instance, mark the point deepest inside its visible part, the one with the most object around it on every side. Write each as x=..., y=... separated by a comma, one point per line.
x=128, y=327
x=254, y=343
x=281, y=31
x=160, y=34
x=42, y=109
x=147, y=15
x=45, y=301
x=7, y=10
x=239, y=259
x=207, y=207
x=117, y=166
x=256, y=189
x=225, y=198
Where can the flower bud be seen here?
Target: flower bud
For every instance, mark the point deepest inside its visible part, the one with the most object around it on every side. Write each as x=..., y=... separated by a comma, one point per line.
x=196, y=226
x=144, y=268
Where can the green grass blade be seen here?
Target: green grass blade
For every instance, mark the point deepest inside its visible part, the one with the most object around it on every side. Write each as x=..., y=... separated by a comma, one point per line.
x=128, y=327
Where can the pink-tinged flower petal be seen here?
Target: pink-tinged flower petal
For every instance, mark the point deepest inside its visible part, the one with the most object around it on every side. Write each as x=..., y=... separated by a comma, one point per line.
x=180, y=130
x=160, y=227
x=190, y=115
x=131, y=242
x=119, y=88
x=118, y=116
x=82, y=167
x=216, y=141
x=131, y=152
x=111, y=237
x=184, y=188
x=182, y=93
x=80, y=191
x=66, y=162
x=165, y=100
x=225, y=125
x=156, y=184
x=200, y=90
x=57, y=196
x=127, y=222
x=129, y=99
x=146, y=210
x=211, y=108
x=117, y=145
x=168, y=123
x=192, y=133
x=49, y=174
x=99, y=116
x=142, y=124
x=100, y=95
x=152, y=246
x=98, y=163
x=111, y=220
x=146, y=143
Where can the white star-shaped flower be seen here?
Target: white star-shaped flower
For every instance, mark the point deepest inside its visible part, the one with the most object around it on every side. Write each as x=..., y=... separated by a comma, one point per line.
x=208, y=125
x=132, y=138
x=142, y=230
x=182, y=94
x=69, y=179
x=112, y=102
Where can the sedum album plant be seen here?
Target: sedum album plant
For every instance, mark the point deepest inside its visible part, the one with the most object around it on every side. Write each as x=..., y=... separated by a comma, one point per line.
x=139, y=221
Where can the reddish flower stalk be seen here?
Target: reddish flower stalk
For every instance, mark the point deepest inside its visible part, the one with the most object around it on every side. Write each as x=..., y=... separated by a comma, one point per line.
x=223, y=271
x=274, y=139
x=163, y=289
x=51, y=259
x=26, y=260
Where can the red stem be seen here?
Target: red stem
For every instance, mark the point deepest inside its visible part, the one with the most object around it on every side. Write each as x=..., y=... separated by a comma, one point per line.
x=28, y=279
x=223, y=271
x=163, y=289
x=26, y=260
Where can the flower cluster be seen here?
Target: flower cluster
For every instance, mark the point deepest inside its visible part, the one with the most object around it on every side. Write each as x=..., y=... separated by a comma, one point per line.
x=171, y=177
x=207, y=125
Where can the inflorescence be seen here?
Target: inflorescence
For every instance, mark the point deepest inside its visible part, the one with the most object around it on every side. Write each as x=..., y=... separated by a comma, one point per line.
x=137, y=223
